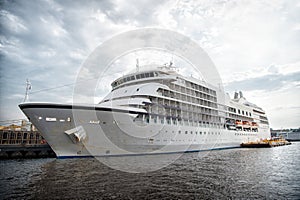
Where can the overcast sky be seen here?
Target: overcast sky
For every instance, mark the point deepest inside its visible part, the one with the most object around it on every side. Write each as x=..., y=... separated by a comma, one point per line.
x=254, y=44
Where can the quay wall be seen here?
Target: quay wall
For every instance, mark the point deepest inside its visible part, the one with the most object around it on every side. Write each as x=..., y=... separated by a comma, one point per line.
x=23, y=144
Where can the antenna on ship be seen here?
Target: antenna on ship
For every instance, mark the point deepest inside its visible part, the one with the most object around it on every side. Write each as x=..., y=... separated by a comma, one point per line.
x=171, y=62
x=28, y=87
x=137, y=65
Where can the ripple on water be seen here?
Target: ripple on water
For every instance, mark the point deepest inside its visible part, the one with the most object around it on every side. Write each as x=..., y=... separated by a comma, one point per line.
x=228, y=174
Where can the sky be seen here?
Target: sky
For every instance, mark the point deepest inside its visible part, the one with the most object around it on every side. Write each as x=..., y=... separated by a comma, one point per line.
x=255, y=46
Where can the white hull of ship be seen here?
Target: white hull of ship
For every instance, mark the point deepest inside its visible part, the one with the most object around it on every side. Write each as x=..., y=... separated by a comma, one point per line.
x=113, y=133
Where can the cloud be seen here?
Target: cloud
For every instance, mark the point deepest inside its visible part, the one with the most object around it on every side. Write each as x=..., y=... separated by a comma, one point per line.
x=240, y=34
x=255, y=44
x=276, y=73
x=265, y=83
x=12, y=23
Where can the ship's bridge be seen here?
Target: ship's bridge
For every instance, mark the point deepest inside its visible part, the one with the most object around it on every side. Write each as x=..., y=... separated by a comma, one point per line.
x=133, y=77
x=160, y=72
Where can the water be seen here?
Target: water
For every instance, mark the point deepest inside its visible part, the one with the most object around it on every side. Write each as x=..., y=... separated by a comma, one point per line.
x=270, y=173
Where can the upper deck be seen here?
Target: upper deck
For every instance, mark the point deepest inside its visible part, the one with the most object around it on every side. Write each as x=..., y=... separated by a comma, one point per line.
x=159, y=72
x=181, y=98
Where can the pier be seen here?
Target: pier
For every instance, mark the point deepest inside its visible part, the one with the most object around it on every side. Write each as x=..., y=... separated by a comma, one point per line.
x=23, y=144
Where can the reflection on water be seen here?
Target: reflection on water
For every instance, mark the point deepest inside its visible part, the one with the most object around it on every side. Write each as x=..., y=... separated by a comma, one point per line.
x=237, y=173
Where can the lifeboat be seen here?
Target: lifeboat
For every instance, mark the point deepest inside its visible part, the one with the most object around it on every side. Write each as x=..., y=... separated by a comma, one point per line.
x=254, y=125
x=246, y=124
x=238, y=123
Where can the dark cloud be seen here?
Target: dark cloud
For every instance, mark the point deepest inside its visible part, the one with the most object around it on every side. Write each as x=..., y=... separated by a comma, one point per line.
x=267, y=83
x=47, y=41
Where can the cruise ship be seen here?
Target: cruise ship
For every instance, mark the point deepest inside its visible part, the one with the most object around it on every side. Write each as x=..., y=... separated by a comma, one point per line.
x=150, y=112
